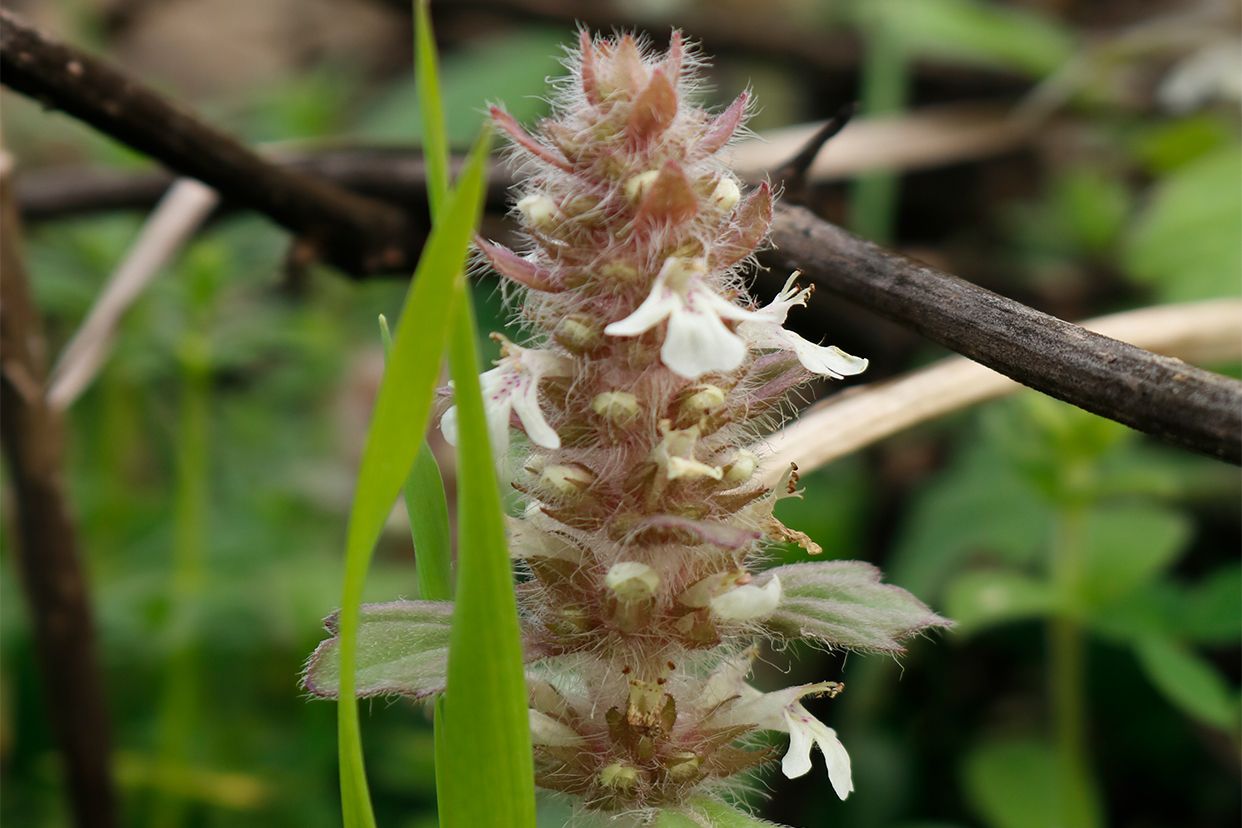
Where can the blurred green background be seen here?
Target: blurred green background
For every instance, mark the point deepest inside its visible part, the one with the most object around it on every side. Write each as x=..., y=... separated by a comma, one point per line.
x=1094, y=574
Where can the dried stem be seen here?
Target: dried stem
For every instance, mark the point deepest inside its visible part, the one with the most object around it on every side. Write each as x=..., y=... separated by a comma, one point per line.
x=45, y=545
x=1158, y=395
x=1202, y=332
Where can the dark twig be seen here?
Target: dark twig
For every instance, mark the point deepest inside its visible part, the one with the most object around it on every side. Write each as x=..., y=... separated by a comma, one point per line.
x=354, y=233
x=1184, y=405
x=793, y=173
x=1162, y=396
x=46, y=543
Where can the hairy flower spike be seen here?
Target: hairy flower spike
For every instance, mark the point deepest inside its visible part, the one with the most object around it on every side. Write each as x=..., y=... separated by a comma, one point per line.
x=647, y=374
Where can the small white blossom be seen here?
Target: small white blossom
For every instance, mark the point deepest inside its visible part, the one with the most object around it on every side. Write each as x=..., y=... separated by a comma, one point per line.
x=765, y=329
x=674, y=454
x=747, y=602
x=697, y=341
x=545, y=730
x=728, y=701
x=513, y=386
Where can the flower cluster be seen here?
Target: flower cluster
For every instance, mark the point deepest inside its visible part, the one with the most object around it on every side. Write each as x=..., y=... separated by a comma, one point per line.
x=647, y=374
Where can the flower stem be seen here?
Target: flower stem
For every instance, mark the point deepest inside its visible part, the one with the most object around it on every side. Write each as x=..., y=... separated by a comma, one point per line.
x=1075, y=790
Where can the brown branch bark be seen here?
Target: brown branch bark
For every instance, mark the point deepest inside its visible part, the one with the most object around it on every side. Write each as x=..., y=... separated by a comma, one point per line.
x=1166, y=397
x=354, y=233
x=1174, y=401
x=45, y=546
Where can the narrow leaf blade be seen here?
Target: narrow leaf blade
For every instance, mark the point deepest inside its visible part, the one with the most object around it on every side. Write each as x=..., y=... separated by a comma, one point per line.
x=402, y=410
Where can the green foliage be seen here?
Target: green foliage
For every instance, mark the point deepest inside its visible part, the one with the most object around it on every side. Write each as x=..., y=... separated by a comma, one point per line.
x=708, y=813
x=1190, y=683
x=1185, y=243
x=511, y=68
x=979, y=32
x=402, y=650
x=1013, y=784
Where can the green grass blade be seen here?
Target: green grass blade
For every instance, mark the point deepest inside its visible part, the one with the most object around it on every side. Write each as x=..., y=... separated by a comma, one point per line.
x=402, y=410
x=490, y=775
x=426, y=507
x=484, y=769
x=430, y=105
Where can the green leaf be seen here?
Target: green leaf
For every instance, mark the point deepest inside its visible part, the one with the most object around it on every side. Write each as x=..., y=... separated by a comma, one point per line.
x=980, y=599
x=485, y=773
x=1185, y=243
x=976, y=32
x=402, y=409
x=1124, y=548
x=1013, y=784
x=426, y=508
x=402, y=650
x=844, y=604
x=1189, y=683
x=708, y=813
x=490, y=778
x=1211, y=612
x=978, y=508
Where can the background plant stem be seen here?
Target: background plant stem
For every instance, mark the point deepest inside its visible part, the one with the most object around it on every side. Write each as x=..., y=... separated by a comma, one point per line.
x=1075, y=788
x=179, y=705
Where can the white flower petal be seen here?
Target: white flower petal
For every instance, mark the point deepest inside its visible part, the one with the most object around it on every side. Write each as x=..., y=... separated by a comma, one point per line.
x=797, y=759
x=806, y=731
x=822, y=359
x=659, y=304
x=689, y=467
x=697, y=343
x=448, y=426
x=525, y=401
x=545, y=730
x=748, y=602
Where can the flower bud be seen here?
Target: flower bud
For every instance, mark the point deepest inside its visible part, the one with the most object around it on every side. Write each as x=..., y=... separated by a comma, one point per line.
x=700, y=400
x=632, y=581
x=567, y=480
x=577, y=333
x=638, y=186
x=726, y=195
x=742, y=467
x=683, y=765
x=748, y=602
x=619, y=272
x=617, y=407
x=538, y=210
x=618, y=775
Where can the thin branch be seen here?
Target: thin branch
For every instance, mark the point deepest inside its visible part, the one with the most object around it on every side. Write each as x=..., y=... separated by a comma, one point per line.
x=1159, y=395
x=46, y=548
x=354, y=233
x=1202, y=332
x=1184, y=405
x=794, y=173
x=172, y=224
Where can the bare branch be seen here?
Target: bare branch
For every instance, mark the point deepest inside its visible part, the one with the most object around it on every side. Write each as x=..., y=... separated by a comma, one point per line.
x=1184, y=405
x=1202, y=332
x=46, y=543
x=1160, y=395
x=354, y=233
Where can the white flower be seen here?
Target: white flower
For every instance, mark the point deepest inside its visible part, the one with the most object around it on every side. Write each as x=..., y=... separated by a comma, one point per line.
x=765, y=329
x=697, y=341
x=748, y=601
x=674, y=454
x=732, y=596
x=781, y=710
x=513, y=386
x=545, y=730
